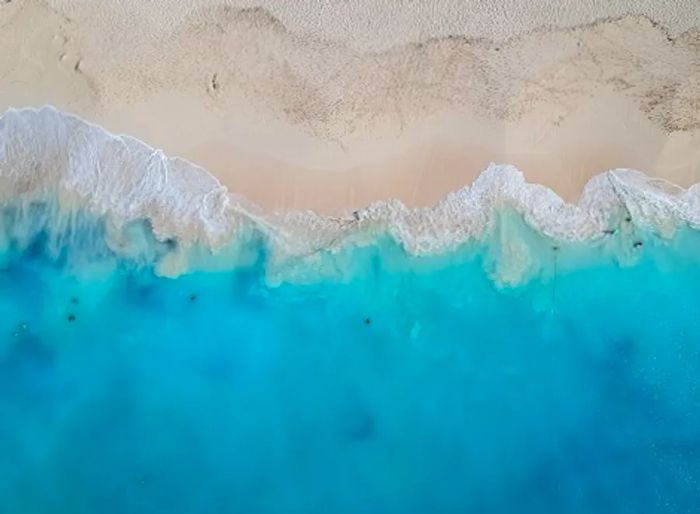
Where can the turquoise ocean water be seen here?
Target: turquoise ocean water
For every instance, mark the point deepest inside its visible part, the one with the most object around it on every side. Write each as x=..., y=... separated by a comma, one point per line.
x=399, y=384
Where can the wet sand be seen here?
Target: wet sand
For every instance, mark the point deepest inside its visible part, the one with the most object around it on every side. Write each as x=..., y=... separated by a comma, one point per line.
x=292, y=118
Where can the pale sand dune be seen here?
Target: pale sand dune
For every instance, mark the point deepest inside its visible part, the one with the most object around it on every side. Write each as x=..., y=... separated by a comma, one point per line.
x=301, y=108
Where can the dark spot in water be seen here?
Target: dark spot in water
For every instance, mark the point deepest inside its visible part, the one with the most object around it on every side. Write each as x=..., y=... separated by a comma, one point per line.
x=143, y=294
x=555, y=248
x=36, y=250
x=628, y=219
x=621, y=352
x=20, y=329
x=170, y=244
x=609, y=231
x=363, y=430
x=71, y=318
x=367, y=321
x=358, y=425
x=193, y=297
x=74, y=301
x=638, y=244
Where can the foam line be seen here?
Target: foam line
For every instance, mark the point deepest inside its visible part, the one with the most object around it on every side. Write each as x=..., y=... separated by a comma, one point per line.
x=45, y=153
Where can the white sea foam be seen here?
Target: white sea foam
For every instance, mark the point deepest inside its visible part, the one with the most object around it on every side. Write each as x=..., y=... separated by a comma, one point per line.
x=48, y=154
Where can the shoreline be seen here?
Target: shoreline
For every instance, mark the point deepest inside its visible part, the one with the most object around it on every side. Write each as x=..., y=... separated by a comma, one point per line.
x=177, y=218
x=294, y=122
x=424, y=163
x=47, y=156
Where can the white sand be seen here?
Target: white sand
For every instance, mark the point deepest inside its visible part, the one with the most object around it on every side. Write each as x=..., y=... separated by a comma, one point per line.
x=373, y=25
x=335, y=107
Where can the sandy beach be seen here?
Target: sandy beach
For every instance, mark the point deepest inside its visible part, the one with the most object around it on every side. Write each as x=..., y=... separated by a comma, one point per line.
x=331, y=110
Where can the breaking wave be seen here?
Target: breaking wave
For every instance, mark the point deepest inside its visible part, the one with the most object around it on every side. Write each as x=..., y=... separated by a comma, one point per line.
x=75, y=169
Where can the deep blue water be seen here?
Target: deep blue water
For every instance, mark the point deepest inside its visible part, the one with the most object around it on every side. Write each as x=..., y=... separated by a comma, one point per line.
x=402, y=385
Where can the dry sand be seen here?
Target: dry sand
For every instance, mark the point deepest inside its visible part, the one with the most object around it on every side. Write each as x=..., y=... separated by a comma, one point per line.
x=335, y=107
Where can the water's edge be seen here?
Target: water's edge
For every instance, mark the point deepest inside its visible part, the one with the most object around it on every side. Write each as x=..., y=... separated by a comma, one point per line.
x=69, y=172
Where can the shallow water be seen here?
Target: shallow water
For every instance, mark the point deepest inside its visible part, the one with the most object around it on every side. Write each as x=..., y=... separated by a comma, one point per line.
x=399, y=384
